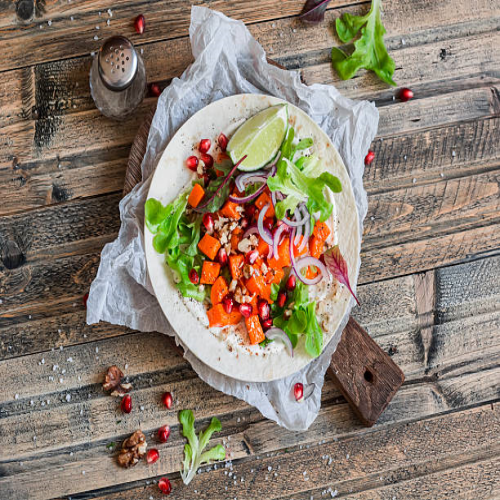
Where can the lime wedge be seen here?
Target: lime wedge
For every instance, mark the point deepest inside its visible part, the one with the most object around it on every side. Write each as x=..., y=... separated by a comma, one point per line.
x=259, y=138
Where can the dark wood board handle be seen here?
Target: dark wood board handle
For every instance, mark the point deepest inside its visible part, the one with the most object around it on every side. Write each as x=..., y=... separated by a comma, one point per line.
x=364, y=373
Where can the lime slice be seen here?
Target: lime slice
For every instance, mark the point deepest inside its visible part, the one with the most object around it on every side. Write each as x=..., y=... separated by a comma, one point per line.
x=259, y=138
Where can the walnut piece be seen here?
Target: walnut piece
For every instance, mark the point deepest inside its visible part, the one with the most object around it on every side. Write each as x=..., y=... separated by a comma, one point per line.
x=113, y=382
x=133, y=449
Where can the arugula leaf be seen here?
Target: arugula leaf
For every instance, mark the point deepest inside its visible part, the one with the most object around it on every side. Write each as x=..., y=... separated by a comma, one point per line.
x=193, y=450
x=298, y=187
x=369, y=50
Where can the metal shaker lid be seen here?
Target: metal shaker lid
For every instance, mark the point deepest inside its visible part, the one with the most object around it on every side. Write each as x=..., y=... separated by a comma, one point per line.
x=117, y=63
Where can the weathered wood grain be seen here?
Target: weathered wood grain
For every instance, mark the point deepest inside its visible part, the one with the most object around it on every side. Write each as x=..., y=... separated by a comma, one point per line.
x=30, y=44
x=365, y=375
x=423, y=67
x=394, y=453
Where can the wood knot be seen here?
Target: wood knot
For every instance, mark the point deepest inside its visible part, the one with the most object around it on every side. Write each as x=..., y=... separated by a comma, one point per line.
x=12, y=255
x=25, y=9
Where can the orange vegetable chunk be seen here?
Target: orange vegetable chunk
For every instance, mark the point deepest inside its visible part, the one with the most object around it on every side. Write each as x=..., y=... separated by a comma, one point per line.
x=254, y=328
x=217, y=316
x=236, y=265
x=209, y=246
x=263, y=248
x=229, y=210
x=316, y=247
x=219, y=291
x=263, y=200
x=321, y=230
x=236, y=238
x=283, y=258
x=196, y=195
x=209, y=272
x=258, y=285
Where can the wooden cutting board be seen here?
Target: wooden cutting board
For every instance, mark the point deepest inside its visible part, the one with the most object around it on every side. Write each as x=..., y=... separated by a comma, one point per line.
x=366, y=375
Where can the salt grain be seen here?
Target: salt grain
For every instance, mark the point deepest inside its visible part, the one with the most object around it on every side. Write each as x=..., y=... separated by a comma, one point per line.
x=453, y=153
x=68, y=398
x=97, y=28
x=72, y=18
x=414, y=180
x=141, y=408
x=69, y=360
x=95, y=38
x=347, y=456
x=42, y=361
x=108, y=22
x=16, y=396
x=49, y=22
x=61, y=380
x=32, y=402
x=97, y=350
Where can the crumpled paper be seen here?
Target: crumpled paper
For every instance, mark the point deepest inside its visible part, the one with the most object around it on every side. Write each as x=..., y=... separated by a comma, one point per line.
x=228, y=60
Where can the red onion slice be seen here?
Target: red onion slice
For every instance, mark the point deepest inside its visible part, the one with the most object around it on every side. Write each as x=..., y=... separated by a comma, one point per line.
x=298, y=234
x=243, y=180
x=306, y=262
x=265, y=234
x=278, y=334
x=248, y=198
x=277, y=237
x=307, y=228
x=251, y=230
x=297, y=220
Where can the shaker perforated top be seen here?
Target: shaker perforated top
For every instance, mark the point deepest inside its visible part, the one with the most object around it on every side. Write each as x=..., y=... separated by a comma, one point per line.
x=117, y=63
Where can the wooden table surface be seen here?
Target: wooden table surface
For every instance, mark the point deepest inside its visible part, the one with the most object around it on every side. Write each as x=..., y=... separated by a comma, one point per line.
x=429, y=283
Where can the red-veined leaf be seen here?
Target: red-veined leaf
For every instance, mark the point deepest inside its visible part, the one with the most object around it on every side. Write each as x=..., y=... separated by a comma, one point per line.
x=314, y=11
x=337, y=266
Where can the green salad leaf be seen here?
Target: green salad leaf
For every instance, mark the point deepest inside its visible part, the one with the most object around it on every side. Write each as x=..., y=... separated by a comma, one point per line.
x=177, y=237
x=369, y=50
x=298, y=186
x=193, y=450
x=302, y=321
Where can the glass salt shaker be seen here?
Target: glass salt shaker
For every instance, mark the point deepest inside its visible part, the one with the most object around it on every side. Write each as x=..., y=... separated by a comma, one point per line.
x=117, y=78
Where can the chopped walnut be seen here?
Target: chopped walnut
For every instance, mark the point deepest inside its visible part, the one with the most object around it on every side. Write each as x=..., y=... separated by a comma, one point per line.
x=239, y=209
x=233, y=226
x=248, y=271
x=113, y=382
x=244, y=245
x=287, y=313
x=232, y=285
x=228, y=248
x=238, y=296
x=223, y=238
x=133, y=449
x=254, y=241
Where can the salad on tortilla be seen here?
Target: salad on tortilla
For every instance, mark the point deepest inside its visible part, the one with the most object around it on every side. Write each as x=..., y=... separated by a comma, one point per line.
x=253, y=238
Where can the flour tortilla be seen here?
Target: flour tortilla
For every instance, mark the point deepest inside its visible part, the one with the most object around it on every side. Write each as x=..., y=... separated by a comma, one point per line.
x=219, y=349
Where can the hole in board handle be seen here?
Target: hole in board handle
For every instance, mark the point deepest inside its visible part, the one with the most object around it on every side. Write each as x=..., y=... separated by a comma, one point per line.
x=368, y=376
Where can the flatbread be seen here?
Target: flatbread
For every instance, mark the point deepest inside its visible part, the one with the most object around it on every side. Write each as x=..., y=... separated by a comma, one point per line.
x=221, y=350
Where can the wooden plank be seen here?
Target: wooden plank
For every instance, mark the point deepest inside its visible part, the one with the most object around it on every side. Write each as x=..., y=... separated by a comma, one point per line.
x=467, y=482
x=387, y=451
x=419, y=212
x=62, y=86
x=443, y=64
x=74, y=136
x=29, y=44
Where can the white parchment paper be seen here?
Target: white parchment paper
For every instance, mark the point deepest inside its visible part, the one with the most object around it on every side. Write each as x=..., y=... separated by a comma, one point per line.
x=228, y=60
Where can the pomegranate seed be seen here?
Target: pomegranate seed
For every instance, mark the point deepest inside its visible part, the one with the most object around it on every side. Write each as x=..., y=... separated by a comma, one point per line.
x=193, y=277
x=84, y=299
x=405, y=94
x=244, y=223
x=263, y=308
x=222, y=142
x=208, y=160
x=204, y=145
x=152, y=456
x=126, y=404
x=251, y=256
x=167, y=400
x=269, y=223
x=250, y=211
x=246, y=310
x=298, y=392
x=227, y=304
x=281, y=299
x=291, y=282
x=165, y=486
x=164, y=433
x=268, y=323
x=208, y=222
x=140, y=24
x=155, y=90
x=222, y=257
x=192, y=163
x=369, y=157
